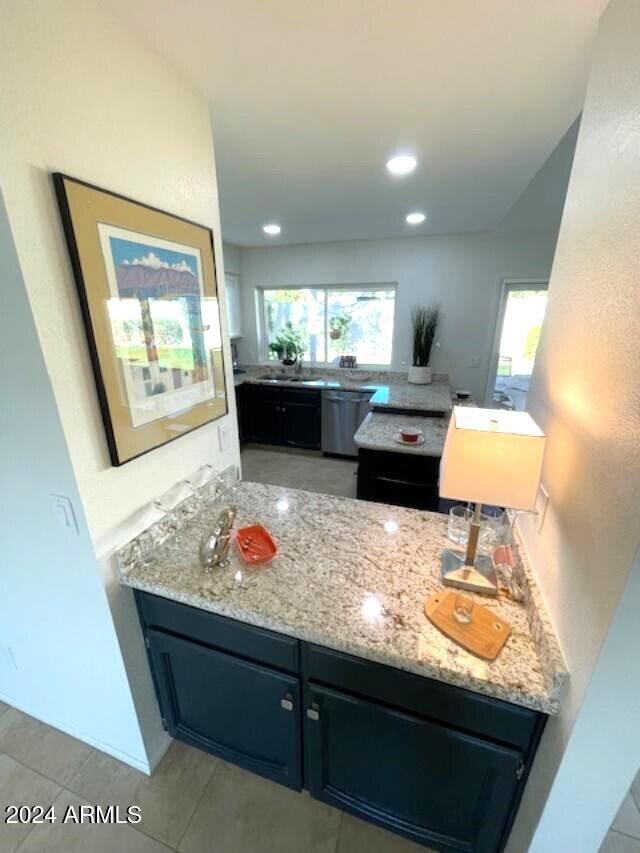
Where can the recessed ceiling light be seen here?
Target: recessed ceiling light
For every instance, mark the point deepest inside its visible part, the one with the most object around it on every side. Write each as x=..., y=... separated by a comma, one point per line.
x=272, y=229
x=402, y=164
x=416, y=218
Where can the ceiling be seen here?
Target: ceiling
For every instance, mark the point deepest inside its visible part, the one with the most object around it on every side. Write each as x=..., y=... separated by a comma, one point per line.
x=309, y=100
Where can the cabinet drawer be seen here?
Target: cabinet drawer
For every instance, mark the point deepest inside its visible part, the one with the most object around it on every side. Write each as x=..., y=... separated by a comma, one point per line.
x=243, y=712
x=422, y=470
x=453, y=706
x=256, y=394
x=219, y=631
x=304, y=396
x=388, y=490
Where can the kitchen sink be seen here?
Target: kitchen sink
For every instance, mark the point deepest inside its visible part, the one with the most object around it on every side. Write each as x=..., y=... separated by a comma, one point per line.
x=272, y=378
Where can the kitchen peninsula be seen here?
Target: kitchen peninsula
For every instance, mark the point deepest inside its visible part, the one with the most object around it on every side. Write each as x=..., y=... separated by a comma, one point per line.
x=326, y=653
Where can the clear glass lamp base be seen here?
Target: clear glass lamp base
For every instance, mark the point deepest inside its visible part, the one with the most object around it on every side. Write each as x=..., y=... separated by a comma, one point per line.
x=481, y=577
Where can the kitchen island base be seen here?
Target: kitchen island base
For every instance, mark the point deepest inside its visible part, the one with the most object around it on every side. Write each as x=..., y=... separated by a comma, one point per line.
x=439, y=764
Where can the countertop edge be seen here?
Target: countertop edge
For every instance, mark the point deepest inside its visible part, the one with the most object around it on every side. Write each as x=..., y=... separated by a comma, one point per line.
x=545, y=704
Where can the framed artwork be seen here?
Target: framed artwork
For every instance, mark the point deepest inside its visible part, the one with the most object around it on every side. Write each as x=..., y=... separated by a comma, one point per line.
x=147, y=286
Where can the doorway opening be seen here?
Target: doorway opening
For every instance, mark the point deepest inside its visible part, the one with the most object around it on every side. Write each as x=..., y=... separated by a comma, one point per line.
x=520, y=317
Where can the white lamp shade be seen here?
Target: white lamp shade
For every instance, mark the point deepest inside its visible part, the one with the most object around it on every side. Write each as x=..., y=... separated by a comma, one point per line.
x=492, y=456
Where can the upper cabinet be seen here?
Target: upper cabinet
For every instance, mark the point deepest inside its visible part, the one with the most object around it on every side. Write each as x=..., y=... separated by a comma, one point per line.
x=234, y=308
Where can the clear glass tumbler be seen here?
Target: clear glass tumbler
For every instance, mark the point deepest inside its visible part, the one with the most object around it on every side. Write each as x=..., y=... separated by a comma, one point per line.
x=463, y=608
x=459, y=521
x=493, y=528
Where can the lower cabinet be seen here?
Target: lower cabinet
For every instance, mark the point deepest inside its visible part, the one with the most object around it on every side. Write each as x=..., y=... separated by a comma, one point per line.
x=288, y=417
x=245, y=713
x=398, y=479
x=438, y=764
x=429, y=782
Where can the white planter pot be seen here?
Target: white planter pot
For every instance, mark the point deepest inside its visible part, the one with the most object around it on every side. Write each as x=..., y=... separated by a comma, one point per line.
x=419, y=375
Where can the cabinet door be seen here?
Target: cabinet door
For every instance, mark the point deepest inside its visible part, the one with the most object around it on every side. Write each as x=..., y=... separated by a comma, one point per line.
x=246, y=713
x=301, y=425
x=433, y=784
x=263, y=414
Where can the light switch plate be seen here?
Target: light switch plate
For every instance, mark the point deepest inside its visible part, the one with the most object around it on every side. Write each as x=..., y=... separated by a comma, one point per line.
x=6, y=656
x=223, y=437
x=63, y=511
x=542, y=503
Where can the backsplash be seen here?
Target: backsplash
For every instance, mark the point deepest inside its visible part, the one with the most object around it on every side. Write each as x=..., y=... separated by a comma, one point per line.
x=385, y=377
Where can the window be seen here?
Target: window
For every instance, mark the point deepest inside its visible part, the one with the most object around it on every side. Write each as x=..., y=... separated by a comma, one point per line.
x=325, y=323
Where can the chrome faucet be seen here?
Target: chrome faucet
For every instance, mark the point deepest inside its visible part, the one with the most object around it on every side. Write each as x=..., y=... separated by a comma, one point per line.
x=214, y=547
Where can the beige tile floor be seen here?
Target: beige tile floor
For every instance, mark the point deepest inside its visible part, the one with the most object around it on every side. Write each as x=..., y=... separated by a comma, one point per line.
x=193, y=803
x=299, y=470
x=624, y=835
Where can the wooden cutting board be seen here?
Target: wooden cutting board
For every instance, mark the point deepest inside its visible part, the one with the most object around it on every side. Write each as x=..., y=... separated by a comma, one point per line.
x=485, y=635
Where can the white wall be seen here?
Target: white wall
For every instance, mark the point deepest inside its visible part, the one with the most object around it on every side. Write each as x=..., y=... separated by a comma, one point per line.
x=82, y=95
x=231, y=259
x=54, y=615
x=462, y=272
x=586, y=395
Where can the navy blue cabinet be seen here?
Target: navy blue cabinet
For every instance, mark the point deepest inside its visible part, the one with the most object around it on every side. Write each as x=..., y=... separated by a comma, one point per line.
x=244, y=712
x=439, y=764
x=399, y=479
x=432, y=783
x=283, y=416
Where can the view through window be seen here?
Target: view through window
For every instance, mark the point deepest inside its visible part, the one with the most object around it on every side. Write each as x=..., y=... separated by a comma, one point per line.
x=524, y=309
x=325, y=323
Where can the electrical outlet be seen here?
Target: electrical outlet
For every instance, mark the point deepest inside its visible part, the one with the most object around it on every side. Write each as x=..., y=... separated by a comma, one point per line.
x=6, y=657
x=542, y=504
x=63, y=511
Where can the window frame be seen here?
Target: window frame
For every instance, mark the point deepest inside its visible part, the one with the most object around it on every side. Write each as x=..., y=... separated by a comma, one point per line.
x=261, y=310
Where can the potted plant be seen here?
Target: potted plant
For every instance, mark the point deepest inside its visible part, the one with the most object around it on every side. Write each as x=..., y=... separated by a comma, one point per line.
x=424, y=322
x=338, y=326
x=288, y=345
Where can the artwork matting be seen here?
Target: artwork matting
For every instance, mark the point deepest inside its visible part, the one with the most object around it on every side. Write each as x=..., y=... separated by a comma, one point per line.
x=146, y=280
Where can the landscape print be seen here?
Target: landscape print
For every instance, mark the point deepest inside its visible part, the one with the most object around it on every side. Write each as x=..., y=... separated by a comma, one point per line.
x=159, y=333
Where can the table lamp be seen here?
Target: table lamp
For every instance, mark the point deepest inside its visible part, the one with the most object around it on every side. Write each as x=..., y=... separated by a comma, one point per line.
x=491, y=456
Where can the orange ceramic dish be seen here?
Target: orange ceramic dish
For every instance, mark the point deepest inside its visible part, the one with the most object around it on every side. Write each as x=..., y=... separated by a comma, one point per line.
x=255, y=544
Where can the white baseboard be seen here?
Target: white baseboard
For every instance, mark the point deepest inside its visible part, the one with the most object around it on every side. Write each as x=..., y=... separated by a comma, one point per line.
x=139, y=763
x=156, y=754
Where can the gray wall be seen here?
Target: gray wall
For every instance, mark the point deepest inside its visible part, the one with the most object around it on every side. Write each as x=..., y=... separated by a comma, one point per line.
x=54, y=615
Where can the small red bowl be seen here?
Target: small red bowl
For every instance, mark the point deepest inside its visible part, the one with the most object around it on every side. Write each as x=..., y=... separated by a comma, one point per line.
x=255, y=544
x=411, y=434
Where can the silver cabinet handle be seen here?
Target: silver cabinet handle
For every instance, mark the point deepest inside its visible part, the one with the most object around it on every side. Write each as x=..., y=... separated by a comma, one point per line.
x=313, y=713
x=287, y=703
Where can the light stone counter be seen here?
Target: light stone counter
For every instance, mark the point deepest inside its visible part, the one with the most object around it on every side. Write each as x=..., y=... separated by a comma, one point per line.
x=389, y=390
x=435, y=397
x=377, y=431
x=353, y=576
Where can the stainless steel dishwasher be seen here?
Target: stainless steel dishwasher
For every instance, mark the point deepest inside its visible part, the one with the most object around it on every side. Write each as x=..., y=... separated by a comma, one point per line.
x=342, y=414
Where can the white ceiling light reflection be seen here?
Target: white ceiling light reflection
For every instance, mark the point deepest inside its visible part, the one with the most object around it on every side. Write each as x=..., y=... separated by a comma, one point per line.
x=282, y=505
x=391, y=526
x=371, y=608
x=402, y=164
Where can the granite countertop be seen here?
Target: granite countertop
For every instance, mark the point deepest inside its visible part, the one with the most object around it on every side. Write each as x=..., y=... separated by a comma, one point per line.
x=353, y=576
x=435, y=397
x=388, y=390
x=377, y=431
